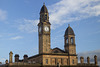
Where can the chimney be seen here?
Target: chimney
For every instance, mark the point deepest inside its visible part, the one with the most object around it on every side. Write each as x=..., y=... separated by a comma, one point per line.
x=16, y=58
x=25, y=58
x=6, y=61
x=82, y=59
x=95, y=60
x=88, y=60
x=11, y=57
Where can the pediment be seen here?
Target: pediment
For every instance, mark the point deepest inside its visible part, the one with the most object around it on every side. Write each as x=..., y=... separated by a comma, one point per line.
x=57, y=50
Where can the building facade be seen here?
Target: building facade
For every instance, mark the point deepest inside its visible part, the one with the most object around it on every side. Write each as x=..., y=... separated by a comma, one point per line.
x=55, y=56
x=48, y=56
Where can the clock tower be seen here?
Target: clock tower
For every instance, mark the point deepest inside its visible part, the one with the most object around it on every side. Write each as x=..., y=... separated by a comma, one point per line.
x=44, y=31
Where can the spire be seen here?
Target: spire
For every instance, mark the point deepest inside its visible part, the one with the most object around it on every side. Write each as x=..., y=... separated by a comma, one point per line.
x=44, y=9
x=69, y=31
x=44, y=3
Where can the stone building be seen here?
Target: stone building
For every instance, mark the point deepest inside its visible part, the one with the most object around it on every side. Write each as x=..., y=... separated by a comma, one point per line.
x=48, y=56
x=52, y=57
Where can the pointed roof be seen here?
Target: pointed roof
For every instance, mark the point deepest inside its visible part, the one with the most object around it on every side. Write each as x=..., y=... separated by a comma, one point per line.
x=58, y=49
x=44, y=9
x=69, y=31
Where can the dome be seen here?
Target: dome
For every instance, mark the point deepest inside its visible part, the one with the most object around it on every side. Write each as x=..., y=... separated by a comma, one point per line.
x=44, y=9
x=69, y=31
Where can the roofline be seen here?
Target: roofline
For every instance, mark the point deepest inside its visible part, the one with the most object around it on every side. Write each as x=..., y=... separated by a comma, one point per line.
x=59, y=49
x=58, y=54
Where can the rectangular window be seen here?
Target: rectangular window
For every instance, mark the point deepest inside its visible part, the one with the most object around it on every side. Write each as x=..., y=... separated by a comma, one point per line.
x=46, y=61
x=72, y=61
x=67, y=61
x=45, y=17
x=55, y=60
x=61, y=61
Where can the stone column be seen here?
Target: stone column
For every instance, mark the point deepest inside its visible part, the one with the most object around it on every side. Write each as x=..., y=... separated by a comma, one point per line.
x=69, y=40
x=25, y=58
x=95, y=60
x=88, y=60
x=16, y=58
x=82, y=59
x=11, y=57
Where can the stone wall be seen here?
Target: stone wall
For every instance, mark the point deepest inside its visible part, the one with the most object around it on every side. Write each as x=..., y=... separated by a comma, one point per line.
x=62, y=60
x=37, y=59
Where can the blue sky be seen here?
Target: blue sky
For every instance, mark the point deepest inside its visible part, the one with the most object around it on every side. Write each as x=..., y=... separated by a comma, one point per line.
x=19, y=19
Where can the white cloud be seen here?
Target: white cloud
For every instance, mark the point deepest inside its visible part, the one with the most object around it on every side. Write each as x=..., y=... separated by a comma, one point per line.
x=3, y=60
x=29, y=25
x=67, y=11
x=3, y=15
x=16, y=37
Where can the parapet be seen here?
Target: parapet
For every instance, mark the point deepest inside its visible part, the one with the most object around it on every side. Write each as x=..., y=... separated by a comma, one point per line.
x=88, y=61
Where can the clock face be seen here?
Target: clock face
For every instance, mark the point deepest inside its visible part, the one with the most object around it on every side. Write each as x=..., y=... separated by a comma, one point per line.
x=46, y=28
x=39, y=29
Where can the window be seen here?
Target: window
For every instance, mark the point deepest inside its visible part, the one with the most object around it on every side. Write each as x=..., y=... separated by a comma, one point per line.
x=45, y=17
x=55, y=60
x=61, y=61
x=46, y=61
x=46, y=49
x=67, y=40
x=71, y=40
x=72, y=51
x=72, y=61
x=67, y=61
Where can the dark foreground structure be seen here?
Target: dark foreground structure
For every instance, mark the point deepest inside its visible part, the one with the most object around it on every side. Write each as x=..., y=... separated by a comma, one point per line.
x=48, y=57
x=37, y=65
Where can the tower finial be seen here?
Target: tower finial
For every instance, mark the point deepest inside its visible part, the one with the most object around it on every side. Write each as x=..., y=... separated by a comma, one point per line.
x=44, y=3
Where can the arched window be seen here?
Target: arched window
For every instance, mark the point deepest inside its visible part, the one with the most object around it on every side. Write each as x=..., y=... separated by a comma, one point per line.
x=46, y=17
x=71, y=40
x=67, y=41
